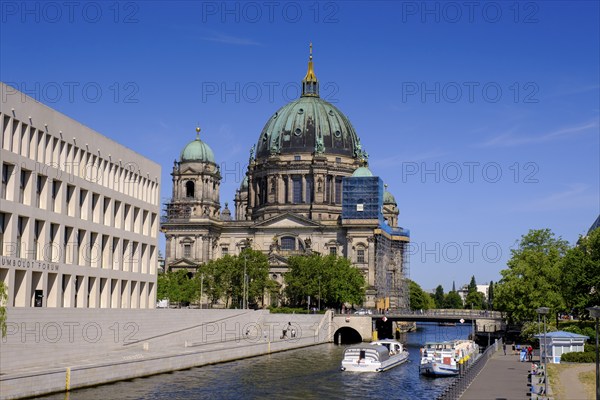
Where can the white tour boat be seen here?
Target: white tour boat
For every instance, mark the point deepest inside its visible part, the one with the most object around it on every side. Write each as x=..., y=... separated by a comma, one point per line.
x=446, y=358
x=378, y=356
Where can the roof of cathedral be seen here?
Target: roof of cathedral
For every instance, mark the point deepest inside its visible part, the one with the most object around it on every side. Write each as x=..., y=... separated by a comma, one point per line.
x=309, y=125
x=362, y=172
x=244, y=184
x=388, y=198
x=595, y=225
x=197, y=151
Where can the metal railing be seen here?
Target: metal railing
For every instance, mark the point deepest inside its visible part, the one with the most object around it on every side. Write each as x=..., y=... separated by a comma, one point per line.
x=466, y=377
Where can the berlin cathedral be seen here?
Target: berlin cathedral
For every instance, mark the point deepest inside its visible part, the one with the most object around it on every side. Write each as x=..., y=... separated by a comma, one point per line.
x=307, y=189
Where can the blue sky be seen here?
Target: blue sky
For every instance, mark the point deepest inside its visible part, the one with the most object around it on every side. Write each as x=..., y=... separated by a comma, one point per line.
x=482, y=117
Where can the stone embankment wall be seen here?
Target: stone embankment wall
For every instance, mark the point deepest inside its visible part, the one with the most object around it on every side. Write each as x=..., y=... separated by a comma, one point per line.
x=51, y=350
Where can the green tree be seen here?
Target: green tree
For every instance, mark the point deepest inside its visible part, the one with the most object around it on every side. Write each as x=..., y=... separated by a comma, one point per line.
x=472, y=285
x=439, y=297
x=453, y=300
x=256, y=265
x=532, y=279
x=474, y=299
x=419, y=299
x=477, y=299
x=216, y=277
x=334, y=278
x=3, y=301
x=181, y=287
x=580, y=274
x=162, y=286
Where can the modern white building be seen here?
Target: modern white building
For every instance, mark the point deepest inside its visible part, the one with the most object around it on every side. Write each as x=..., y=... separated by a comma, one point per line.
x=560, y=343
x=79, y=213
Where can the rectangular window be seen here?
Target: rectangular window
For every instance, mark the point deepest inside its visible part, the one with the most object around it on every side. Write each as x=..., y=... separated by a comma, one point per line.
x=333, y=251
x=23, y=184
x=297, y=158
x=187, y=250
x=338, y=190
x=55, y=190
x=38, y=189
x=360, y=256
x=2, y=228
x=5, y=175
x=310, y=189
x=21, y=222
x=297, y=189
x=224, y=251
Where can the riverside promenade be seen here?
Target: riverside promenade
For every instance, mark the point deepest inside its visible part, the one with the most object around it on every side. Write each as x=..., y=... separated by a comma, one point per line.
x=49, y=351
x=503, y=377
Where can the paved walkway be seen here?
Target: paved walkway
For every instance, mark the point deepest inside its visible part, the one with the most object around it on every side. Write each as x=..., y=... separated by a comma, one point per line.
x=503, y=377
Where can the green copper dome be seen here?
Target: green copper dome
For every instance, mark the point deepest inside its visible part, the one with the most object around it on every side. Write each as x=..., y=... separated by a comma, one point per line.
x=244, y=185
x=309, y=125
x=388, y=198
x=197, y=151
x=361, y=172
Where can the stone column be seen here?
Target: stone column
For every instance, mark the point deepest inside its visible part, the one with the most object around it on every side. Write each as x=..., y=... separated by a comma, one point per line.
x=303, y=190
x=371, y=258
x=280, y=189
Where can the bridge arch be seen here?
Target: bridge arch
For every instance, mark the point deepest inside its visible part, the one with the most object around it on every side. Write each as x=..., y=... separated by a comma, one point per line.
x=347, y=335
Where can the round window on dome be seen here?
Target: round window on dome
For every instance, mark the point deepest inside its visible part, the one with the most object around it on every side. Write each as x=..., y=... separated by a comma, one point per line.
x=331, y=112
x=338, y=134
x=301, y=111
x=298, y=132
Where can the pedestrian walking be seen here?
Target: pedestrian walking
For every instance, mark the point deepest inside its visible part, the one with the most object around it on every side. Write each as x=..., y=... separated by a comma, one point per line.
x=504, y=348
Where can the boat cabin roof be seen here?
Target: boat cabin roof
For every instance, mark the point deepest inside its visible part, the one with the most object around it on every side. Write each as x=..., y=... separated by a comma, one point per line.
x=380, y=353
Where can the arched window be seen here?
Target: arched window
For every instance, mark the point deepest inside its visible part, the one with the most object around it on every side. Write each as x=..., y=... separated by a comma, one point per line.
x=288, y=243
x=189, y=189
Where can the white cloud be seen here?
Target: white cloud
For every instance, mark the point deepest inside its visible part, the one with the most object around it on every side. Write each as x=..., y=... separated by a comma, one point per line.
x=510, y=139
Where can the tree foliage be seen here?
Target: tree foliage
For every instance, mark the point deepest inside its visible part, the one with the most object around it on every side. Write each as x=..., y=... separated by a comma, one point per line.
x=580, y=274
x=220, y=279
x=226, y=278
x=439, y=297
x=332, y=278
x=532, y=279
x=419, y=299
x=3, y=301
x=491, y=296
x=474, y=299
x=176, y=286
x=453, y=300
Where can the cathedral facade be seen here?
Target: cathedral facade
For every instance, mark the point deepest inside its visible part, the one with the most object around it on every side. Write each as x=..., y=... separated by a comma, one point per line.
x=307, y=189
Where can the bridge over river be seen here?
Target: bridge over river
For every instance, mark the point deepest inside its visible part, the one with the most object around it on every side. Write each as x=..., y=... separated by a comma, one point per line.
x=364, y=324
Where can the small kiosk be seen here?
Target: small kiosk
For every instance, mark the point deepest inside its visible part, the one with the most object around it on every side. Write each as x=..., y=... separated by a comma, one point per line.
x=561, y=342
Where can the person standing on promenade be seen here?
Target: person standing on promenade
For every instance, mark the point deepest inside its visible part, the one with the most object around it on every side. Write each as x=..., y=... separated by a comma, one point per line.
x=504, y=348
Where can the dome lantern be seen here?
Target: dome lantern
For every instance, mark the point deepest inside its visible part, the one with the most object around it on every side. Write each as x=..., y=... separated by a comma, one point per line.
x=310, y=84
x=197, y=151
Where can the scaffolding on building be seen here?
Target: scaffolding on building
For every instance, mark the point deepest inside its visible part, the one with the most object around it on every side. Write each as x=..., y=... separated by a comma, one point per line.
x=391, y=270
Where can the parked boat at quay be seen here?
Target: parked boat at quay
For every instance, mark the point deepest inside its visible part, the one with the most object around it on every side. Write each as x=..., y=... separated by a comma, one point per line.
x=377, y=356
x=446, y=358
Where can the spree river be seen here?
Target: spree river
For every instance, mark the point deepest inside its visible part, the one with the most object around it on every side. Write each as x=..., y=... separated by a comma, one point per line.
x=308, y=373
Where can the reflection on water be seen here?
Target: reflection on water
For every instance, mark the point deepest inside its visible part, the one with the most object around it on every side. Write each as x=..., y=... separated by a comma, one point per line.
x=309, y=373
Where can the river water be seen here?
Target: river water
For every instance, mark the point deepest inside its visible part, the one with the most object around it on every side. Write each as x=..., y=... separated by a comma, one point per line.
x=308, y=373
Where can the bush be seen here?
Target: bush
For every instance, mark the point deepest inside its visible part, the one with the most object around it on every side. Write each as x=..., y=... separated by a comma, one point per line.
x=579, y=357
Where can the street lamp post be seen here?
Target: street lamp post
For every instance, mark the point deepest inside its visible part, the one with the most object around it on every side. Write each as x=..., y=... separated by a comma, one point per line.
x=319, y=293
x=244, y=300
x=201, y=288
x=544, y=311
x=595, y=313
